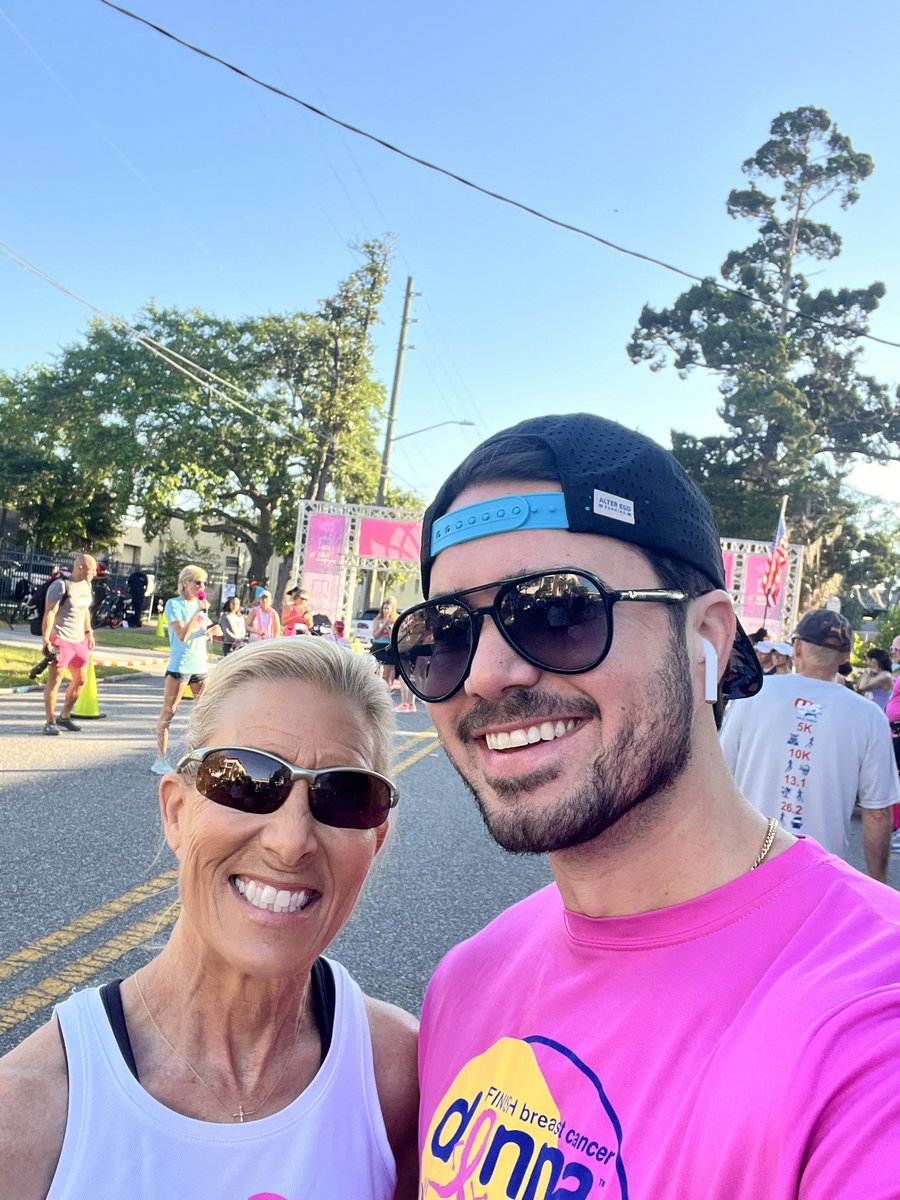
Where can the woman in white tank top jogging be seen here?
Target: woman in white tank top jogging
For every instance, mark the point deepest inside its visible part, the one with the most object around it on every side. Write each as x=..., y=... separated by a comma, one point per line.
x=239, y=1063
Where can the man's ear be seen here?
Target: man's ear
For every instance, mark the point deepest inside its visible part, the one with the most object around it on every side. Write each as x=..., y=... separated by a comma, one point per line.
x=711, y=619
x=172, y=809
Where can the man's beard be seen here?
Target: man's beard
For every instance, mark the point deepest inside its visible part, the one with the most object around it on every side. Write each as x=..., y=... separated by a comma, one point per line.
x=650, y=752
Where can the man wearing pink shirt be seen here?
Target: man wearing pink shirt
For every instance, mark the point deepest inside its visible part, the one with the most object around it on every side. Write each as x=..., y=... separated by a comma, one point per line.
x=701, y=1007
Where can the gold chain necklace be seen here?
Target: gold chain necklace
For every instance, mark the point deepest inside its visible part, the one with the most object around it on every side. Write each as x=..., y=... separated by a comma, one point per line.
x=771, y=830
x=242, y=1112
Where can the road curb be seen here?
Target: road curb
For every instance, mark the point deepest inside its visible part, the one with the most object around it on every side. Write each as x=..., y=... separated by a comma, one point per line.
x=130, y=662
x=39, y=687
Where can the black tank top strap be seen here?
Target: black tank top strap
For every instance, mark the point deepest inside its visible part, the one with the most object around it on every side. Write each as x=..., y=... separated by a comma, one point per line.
x=324, y=1001
x=111, y=995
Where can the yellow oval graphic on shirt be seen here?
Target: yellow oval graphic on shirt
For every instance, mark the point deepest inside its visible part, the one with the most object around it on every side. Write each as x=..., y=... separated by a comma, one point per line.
x=499, y=1134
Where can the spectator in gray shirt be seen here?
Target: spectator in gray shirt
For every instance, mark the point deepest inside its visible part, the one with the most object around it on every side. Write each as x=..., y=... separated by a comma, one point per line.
x=68, y=637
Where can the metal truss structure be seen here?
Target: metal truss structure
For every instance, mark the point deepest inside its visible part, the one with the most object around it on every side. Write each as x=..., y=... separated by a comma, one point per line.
x=741, y=548
x=351, y=561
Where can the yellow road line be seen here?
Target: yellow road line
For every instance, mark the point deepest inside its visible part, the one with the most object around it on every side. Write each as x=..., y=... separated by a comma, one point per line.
x=417, y=754
x=35, y=951
x=27, y=1003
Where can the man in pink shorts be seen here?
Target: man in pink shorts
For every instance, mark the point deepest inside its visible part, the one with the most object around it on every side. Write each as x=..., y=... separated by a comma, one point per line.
x=67, y=634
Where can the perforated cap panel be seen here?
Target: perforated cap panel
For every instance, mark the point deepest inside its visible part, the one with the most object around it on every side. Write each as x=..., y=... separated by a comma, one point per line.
x=593, y=455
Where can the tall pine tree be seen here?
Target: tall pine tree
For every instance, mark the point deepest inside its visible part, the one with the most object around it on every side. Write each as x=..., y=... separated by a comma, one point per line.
x=798, y=405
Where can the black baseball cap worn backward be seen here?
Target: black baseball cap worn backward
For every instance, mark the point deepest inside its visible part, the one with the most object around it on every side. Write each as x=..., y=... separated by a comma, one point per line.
x=618, y=484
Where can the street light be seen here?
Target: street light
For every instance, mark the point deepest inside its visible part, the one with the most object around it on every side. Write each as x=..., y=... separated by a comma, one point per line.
x=386, y=456
x=428, y=428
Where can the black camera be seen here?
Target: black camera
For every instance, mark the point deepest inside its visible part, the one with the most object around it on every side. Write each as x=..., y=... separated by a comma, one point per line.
x=40, y=667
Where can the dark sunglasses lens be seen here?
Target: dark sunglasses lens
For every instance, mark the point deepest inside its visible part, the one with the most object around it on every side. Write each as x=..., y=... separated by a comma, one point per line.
x=434, y=643
x=559, y=620
x=350, y=800
x=243, y=779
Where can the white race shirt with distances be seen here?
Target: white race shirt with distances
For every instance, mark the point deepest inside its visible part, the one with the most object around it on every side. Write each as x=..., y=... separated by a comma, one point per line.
x=803, y=751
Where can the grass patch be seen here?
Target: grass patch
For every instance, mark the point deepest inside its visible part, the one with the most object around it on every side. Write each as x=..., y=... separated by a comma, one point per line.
x=17, y=661
x=140, y=639
x=132, y=639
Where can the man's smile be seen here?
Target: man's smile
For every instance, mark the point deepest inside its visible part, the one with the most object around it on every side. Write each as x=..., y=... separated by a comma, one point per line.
x=528, y=735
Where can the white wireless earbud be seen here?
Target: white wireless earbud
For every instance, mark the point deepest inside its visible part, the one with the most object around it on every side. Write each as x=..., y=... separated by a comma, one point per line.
x=711, y=673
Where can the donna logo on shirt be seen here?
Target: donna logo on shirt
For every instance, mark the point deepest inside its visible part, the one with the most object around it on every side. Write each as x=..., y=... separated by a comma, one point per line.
x=499, y=1133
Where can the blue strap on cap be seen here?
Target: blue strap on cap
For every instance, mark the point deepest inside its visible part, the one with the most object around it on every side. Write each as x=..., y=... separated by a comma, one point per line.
x=538, y=510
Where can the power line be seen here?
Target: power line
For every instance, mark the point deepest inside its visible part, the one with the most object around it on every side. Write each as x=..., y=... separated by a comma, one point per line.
x=166, y=353
x=484, y=191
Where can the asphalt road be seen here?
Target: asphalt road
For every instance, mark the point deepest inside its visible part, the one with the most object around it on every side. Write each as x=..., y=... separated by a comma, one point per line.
x=90, y=883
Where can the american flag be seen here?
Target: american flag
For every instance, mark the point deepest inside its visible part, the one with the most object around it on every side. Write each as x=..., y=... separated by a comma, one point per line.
x=778, y=553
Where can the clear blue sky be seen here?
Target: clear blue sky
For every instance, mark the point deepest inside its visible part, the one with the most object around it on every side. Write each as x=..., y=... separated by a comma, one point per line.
x=134, y=169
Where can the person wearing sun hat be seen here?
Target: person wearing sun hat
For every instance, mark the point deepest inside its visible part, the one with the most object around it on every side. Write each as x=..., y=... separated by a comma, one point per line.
x=775, y=657
x=690, y=957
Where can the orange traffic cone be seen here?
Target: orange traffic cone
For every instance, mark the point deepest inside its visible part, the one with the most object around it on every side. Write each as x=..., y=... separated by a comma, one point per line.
x=87, y=706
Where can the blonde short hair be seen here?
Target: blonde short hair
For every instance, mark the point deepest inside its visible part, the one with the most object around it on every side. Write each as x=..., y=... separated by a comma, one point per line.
x=304, y=660
x=191, y=574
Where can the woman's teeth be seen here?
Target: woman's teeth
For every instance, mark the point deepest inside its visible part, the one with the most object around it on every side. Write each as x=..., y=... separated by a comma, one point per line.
x=263, y=895
x=528, y=735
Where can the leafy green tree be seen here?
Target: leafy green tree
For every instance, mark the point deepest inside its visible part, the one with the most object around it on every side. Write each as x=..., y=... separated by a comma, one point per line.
x=176, y=554
x=54, y=469
x=302, y=423
x=889, y=626
x=798, y=407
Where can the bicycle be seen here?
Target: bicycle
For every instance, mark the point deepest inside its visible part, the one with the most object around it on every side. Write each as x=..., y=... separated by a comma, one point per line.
x=19, y=609
x=111, y=611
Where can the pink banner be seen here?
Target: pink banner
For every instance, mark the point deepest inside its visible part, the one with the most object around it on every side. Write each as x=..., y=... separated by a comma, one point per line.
x=754, y=598
x=325, y=540
x=322, y=568
x=751, y=602
x=399, y=540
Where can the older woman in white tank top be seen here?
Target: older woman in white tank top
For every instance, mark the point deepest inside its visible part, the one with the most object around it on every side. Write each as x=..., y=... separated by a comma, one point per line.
x=239, y=1062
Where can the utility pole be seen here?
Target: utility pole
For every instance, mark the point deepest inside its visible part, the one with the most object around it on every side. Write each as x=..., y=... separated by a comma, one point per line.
x=395, y=394
x=370, y=581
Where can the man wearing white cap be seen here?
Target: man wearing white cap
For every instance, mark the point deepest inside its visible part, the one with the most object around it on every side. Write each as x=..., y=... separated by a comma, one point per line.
x=806, y=748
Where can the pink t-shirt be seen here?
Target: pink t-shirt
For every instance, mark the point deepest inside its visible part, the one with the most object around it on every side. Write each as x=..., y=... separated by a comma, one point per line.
x=742, y=1046
x=892, y=708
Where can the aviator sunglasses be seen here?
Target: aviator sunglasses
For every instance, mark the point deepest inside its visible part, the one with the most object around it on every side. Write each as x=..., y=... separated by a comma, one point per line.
x=257, y=782
x=559, y=620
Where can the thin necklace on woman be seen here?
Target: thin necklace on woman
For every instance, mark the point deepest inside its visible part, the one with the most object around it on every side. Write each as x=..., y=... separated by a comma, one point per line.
x=242, y=1113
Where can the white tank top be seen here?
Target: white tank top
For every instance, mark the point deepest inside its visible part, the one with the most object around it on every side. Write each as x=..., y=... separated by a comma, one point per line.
x=329, y=1144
